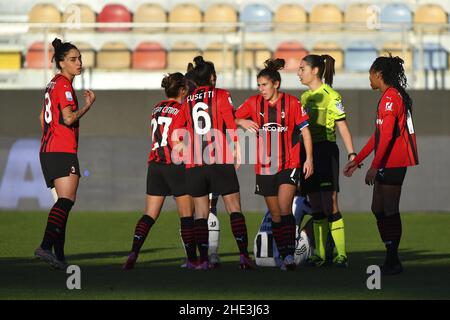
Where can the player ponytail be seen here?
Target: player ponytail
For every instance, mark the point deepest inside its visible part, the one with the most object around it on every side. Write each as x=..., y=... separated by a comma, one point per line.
x=173, y=83
x=203, y=72
x=393, y=74
x=271, y=67
x=61, y=49
x=325, y=64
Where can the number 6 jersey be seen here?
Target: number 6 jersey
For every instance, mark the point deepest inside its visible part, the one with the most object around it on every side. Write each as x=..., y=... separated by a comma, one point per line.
x=56, y=135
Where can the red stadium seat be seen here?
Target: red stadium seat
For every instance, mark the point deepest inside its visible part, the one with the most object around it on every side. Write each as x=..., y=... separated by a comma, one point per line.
x=114, y=13
x=36, y=55
x=149, y=56
x=292, y=52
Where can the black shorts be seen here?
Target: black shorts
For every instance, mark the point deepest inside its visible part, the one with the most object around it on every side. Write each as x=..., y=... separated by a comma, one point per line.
x=220, y=179
x=267, y=185
x=326, y=169
x=391, y=176
x=166, y=179
x=57, y=165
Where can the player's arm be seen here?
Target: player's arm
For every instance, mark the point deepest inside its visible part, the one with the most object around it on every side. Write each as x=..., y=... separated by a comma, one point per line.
x=242, y=120
x=41, y=118
x=70, y=117
x=356, y=162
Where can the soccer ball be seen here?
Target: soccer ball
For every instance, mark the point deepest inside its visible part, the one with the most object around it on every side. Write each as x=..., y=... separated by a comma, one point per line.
x=303, y=249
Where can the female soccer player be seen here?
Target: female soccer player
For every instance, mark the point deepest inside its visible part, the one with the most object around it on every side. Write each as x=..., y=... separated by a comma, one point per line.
x=59, y=145
x=394, y=144
x=325, y=111
x=207, y=116
x=164, y=176
x=278, y=119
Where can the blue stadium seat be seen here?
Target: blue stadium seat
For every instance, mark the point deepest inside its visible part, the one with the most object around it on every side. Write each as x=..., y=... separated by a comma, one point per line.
x=396, y=13
x=256, y=13
x=359, y=56
x=435, y=57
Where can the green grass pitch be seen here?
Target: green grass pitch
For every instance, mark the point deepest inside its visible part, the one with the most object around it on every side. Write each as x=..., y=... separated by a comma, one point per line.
x=99, y=244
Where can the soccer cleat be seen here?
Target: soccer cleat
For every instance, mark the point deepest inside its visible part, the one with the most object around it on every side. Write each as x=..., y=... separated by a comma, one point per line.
x=131, y=261
x=203, y=266
x=288, y=264
x=315, y=261
x=246, y=263
x=387, y=270
x=189, y=264
x=340, y=261
x=214, y=260
x=48, y=257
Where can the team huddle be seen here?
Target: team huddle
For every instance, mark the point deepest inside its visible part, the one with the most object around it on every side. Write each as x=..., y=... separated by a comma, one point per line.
x=196, y=151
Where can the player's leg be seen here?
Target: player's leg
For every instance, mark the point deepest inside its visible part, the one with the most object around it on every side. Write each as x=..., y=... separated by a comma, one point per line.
x=272, y=204
x=185, y=205
x=286, y=194
x=201, y=234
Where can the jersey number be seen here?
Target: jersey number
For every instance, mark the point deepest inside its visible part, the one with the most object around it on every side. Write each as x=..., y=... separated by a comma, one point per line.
x=199, y=112
x=48, y=110
x=165, y=121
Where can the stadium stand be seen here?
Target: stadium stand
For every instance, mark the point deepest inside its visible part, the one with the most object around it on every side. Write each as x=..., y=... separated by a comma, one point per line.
x=149, y=56
x=35, y=56
x=150, y=12
x=435, y=57
x=79, y=13
x=291, y=14
x=220, y=13
x=429, y=16
x=215, y=53
x=396, y=13
x=114, y=13
x=333, y=49
x=185, y=12
x=292, y=52
x=114, y=56
x=87, y=54
x=252, y=14
x=10, y=59
x=359, y=56
x=255, y=53
x=395, y=48
x=360, y=14
x=180, y=54
x=44, y=13
x=328, y=16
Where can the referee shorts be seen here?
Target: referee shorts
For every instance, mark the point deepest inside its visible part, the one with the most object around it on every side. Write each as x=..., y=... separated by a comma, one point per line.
x=57, y=165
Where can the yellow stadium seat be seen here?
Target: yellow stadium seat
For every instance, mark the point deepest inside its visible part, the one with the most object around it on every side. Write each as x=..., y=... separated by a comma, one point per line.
x=44, y=13
x=150, y=12
x=215, y=53
x=332, y=49
x=79, y=13
x=87, y=54
x=395, y=48
x=360, y=14
x=114, y=56
x=255, y=53
x=327, y=15
x=185, y=13
x=430, y=16
x=181, y=54
x=220, y=13
x=290, y=14
x=10, y=59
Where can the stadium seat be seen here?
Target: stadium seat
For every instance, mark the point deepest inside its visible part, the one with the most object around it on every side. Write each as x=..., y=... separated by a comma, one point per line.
x=184, y=13
x=254, y=14
x=79, y=13
x=150, y=12
x=181, y=54
x=255, y=53
x=220, y=13
x=359, y=56
x=360, y=14
x=44, y=13
x=292, y=52
x=35, y=56
x=290, y=14
x=395, y=48
x=114, y=13
x=87, y=54
x=215, y=53
x=114, y=56
x=10, y=59
x=327, y=15
x=429, y=17
x=149, y=56
x=333, y=49
x=435, y=57
x=396, y=13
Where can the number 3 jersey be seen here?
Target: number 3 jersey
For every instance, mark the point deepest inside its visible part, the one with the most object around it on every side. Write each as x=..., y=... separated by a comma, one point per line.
x=207, y=116
x=56, y=135
x=163, y=115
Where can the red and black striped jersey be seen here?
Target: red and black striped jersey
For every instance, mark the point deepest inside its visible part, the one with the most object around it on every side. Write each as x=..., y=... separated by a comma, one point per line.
x=394, y=140
x=207, y=115
x=56, y=135
x=280, y=123
x=163, y=115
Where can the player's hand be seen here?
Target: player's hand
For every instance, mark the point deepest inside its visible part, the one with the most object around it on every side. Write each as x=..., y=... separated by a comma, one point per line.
x=248, y=125
x=308, y=168
x=370, y=176
x=350, y=168
x=89, y=97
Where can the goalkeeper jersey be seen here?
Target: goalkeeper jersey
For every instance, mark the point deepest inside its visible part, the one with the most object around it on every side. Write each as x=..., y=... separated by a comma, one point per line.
x=324, y=108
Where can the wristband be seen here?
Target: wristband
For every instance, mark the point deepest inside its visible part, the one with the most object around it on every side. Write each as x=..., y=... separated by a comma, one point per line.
x=351, y=154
